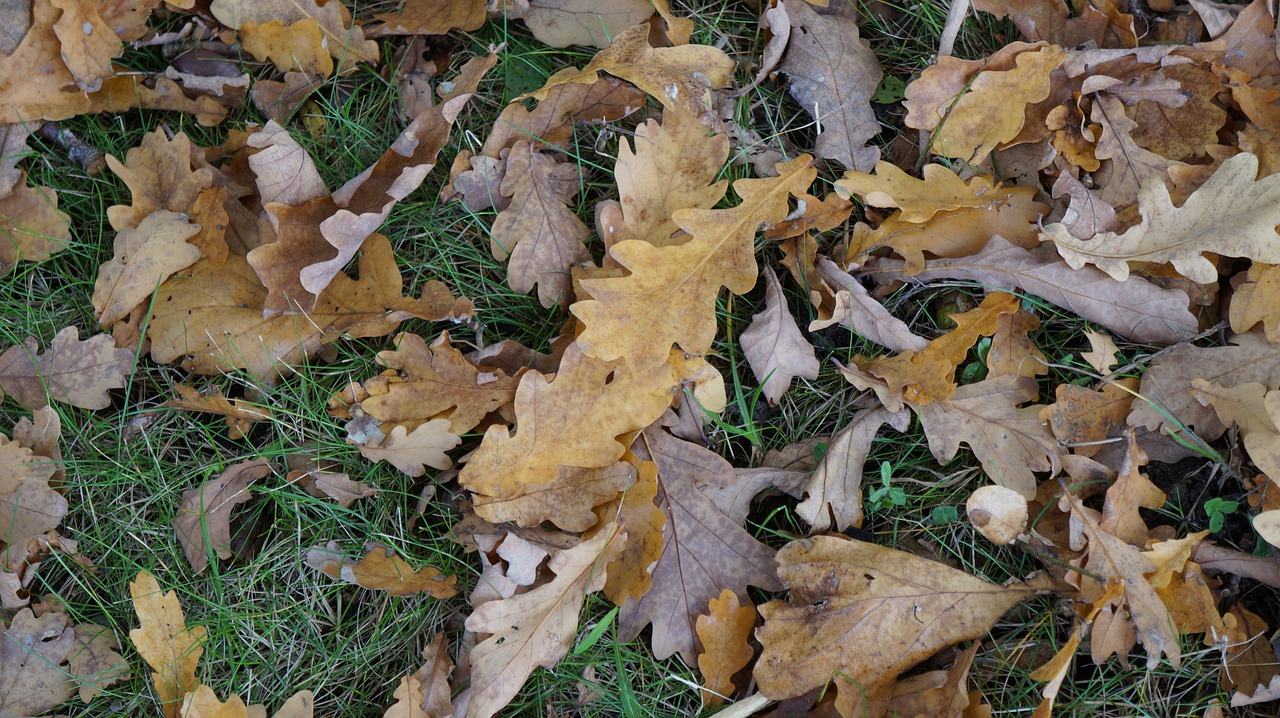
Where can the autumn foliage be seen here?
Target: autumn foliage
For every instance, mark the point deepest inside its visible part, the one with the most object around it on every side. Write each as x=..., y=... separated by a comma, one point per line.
x=1116, y=167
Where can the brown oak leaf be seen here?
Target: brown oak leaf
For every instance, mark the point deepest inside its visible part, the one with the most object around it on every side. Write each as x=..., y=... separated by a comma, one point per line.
x=79, y=373
x=203, y=522
x=773, y=345
x=724, y=631
x=381, y=570
x=862, y=614
x=834, y=490
x=412, y=451
x=145, y=256
x=704, y=551
x=165, y=642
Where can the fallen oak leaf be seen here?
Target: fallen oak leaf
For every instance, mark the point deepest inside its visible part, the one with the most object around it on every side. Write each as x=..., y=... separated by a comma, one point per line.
x=638, y=316
x=833, y=492
x=833, y=74
x=204, y=703
x=561, y=23
x=1136, y=309
x=88, y=43
x=1243, y=227
x=864, y=614
x=724, y=631
x=538, y=235
x=79, y=373
x=412, y=451
x=165, y=642
x=567, y=501
x=338, y=487
x=703, y=551
x=34, y=651
x=425, y=693
x=343, y=38
x=144, y=258
x=775, y=349
x=917, y=200
x=381, y=570
x=431, y=17
x=239, y=413
x=571, y=421
x=680, y=76
x=95, y=660
x=1258, y=300
x=203, y=523
x=32, y=228
x=535, y=628
x=282, y=169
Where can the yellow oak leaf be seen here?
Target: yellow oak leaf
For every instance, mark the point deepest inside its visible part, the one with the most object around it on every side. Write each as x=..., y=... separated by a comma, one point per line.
x=297, y=47
x=345, y=40
x=1245, y=226
x=413, y=451
x=165, y=642
x=88, y=42
x=145, y=256
x=32, y=228
x=669, y=296
x=1258, y=300
x=204, y=703
x=917, y=199
x=992, y=110
x=431, y=17
x=928, y=376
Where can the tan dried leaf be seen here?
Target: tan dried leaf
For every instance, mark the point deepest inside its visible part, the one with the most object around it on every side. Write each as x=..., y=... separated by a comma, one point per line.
x=834, y=490
x=79, y=373
x=88, y=43
x=34, y=652
x=432, y=17
x=1009, y=440
x=203, y=523
x=863, y=614
x=1132, y=166
x=567, y=501
x=95, y=660
x=670, y=295
x=1243, y=227
x=165, y=642
x=724, y=632
x=1081, y=418
x=773, y=345
x=998, y=513
x=282, y=169
x=338, y=487
x=1135, y=308
x=918, y=199
x=381, y=570
x=32, y=228
x=538, y=234
x=425, y=693
x=535, y=628
x=574, y=421
x=412, y=451
x=561, y=23
x=680, y=76
x=674, y=166
x=344, y=39
x=239, y=413
x=144, y=258
x=703, y=553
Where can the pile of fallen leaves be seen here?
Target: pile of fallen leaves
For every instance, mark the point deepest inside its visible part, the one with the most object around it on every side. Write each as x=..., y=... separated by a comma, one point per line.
x=1117, y=166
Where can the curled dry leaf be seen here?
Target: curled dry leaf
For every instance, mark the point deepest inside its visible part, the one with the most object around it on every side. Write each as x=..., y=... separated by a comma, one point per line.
x=1136, y=309
x=999, y=514
x=381, y=570
x=864, y=614
x=834, y=490
x=165, y=643
x=425, y=693
x=204, y=703
x=239, y=413
x=1242, y=227
x=1258, y=300
x=79, y=373
x=680, y=76
x=773, y=345
x=43, y=658
x=338, y=487
x=282, y=169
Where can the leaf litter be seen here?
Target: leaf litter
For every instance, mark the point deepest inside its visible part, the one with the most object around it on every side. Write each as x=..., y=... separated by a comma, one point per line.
x=1095, y=169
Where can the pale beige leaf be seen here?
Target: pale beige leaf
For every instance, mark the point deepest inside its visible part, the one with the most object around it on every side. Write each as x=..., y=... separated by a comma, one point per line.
x=283, y=170
x=95, y=660
x=1244, y=226
x=165, y=643
x=535, y=628
x=344, y=39
x=412, y=452
x=76, y=372
x=34, y=651
x=145, y=257
x=203, y=522
x=31, y=226
x=833, y=73
x=1102, y=354
x=1267, y=525
x=868, y=318
x=1009, y=440
x=567, y=501
x=670, y=295
x=674, y=166
x=918, y=199
x=1254, y=410
x=1086, y=214
x=561, y=23
x=88, y=42
x=1258, y=300
x=1132, y=166
x=773, y=345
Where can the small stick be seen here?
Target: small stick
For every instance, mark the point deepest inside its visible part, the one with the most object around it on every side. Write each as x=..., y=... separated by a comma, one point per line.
x=955, y=18
x=90, y=158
